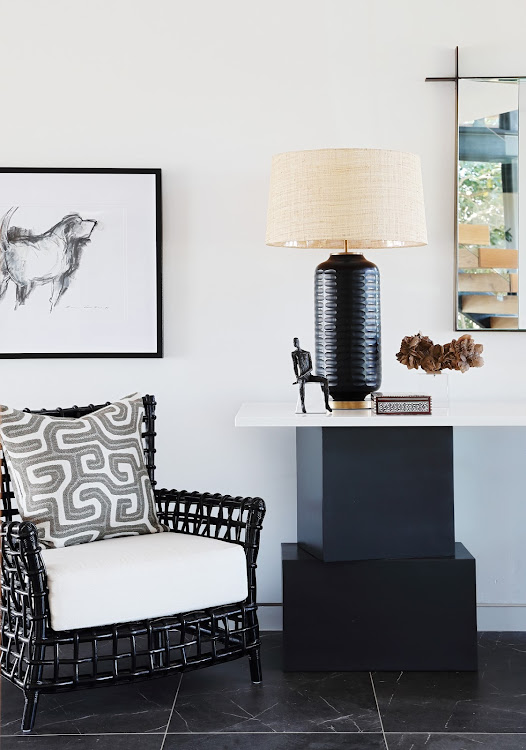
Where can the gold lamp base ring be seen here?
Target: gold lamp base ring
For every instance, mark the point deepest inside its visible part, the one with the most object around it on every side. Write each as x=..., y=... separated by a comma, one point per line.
x=351, y=404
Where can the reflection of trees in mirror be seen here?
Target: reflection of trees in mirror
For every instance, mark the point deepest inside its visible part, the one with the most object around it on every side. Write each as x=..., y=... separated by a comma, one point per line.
x=467, y=324
x=480, y=199
x=481, y=202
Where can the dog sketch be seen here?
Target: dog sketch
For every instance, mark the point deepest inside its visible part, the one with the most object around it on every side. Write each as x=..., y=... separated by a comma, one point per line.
x=30, y=260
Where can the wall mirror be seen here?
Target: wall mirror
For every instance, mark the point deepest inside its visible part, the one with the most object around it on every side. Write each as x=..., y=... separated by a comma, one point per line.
x=490, y=290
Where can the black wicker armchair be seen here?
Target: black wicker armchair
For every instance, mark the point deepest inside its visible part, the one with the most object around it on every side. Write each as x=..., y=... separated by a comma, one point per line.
x=38, y=659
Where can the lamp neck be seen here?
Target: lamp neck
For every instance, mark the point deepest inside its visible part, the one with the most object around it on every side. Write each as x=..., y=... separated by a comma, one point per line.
x=346, y=250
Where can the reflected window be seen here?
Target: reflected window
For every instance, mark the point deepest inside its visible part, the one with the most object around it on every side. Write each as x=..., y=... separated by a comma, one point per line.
x=488, y=207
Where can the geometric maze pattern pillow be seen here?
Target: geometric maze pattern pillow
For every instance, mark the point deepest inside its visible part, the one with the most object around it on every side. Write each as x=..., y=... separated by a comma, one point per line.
x=80, y=480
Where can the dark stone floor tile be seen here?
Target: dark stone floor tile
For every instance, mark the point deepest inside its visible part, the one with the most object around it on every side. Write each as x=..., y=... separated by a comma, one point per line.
x=490, y=700
x=142, y=707
x=300, y=703
x=274, y=741
x=87, y=742
x=456, y=741
x=222, y=699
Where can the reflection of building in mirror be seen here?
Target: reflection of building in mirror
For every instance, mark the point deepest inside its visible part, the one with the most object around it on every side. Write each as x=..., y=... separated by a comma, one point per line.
x=488, y=207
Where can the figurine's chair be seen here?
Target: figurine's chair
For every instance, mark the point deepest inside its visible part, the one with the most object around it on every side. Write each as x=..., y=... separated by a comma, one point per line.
x=39, y=659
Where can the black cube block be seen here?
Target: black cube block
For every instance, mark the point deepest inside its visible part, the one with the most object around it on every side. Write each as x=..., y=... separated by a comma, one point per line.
x=370, y=493
x=370, y=615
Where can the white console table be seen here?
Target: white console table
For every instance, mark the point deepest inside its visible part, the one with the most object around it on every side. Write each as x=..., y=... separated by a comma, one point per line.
x=376, y=524
x=456, y=414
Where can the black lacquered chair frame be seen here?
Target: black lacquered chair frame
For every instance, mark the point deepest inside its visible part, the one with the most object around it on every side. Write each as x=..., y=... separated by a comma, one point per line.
x=39, y=660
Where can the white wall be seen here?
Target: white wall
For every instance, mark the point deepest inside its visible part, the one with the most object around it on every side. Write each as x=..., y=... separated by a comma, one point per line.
x=209, y=91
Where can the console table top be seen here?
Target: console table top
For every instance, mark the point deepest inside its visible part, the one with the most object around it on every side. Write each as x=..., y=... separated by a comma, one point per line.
x=454, y=414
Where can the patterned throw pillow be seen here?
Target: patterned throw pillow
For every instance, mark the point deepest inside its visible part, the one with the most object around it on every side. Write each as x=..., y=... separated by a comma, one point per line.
x=80, y=480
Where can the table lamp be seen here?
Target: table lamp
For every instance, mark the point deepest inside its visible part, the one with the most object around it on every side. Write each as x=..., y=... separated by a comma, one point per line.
x=347, y=199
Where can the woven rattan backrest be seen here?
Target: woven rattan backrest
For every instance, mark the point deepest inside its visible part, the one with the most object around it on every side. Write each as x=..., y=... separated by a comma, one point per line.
x=9, y=509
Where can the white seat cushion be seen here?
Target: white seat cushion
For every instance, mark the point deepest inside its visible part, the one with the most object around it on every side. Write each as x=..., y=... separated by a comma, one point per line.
x=139, y=577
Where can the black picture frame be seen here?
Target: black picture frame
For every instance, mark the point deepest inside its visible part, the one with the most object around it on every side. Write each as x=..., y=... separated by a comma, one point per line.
x=157, y=340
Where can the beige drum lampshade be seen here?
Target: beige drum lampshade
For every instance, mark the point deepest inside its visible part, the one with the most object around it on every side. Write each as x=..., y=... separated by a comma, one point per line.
x=370, y=198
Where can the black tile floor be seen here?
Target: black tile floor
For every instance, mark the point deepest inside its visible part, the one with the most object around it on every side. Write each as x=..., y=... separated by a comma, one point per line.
x=219, y=709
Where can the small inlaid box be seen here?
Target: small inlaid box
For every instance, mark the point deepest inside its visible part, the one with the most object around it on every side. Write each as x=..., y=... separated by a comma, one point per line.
x=402, y=403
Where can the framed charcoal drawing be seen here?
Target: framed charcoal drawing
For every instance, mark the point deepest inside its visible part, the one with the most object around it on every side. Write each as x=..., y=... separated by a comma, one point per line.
x=80, y=263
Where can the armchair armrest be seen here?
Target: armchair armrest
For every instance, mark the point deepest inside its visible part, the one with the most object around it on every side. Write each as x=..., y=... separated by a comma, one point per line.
x=24, y=580
x=232, y=519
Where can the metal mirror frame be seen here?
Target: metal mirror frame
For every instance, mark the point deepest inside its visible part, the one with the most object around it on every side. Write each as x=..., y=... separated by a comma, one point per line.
x=455, y=79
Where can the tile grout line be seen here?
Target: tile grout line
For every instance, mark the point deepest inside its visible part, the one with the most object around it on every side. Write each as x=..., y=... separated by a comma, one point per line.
x=171, y=713
x=222, y=733
x=378, y=709
x=466, y=734
x=270, y=733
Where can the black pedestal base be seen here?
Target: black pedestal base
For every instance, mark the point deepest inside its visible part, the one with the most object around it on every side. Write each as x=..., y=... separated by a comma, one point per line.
x=379, y=614
x=369, y=493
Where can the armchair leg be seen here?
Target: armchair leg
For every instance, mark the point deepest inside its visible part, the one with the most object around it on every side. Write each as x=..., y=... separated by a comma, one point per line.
x=255, y=666
x=30, y=711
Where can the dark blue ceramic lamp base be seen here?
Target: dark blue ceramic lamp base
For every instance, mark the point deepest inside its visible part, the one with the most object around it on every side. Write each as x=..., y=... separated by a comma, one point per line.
x=347, y=314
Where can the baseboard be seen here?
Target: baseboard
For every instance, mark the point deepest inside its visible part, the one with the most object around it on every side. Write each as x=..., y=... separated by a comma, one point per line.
x=504, y=617
x=501, y=617
x=270, y=617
